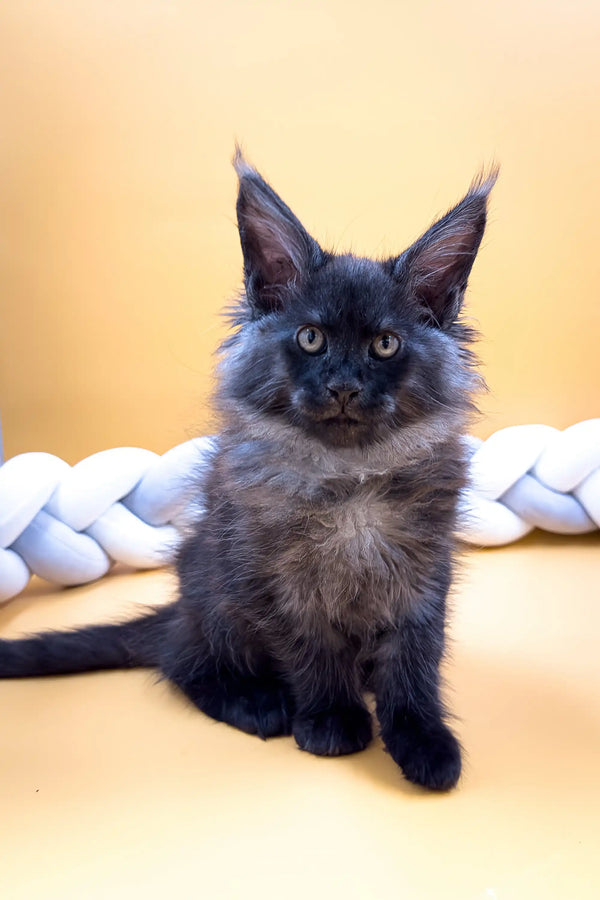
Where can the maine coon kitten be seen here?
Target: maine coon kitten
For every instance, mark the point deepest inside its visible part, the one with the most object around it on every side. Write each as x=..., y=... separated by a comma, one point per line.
x=324, y=556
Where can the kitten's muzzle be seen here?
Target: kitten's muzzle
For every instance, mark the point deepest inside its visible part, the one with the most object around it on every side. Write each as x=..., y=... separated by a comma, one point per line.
x=345, y=394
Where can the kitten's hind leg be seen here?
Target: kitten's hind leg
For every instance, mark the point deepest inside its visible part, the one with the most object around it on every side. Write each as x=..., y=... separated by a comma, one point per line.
x=256, y=705
x=247, y=694
x=218, y=661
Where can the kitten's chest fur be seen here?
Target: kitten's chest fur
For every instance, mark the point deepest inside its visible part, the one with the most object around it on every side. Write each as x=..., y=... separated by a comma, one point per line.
x=339, y=537
x=344, y=560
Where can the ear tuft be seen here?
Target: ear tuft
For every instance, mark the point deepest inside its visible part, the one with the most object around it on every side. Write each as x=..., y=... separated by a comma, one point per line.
x=240, y=163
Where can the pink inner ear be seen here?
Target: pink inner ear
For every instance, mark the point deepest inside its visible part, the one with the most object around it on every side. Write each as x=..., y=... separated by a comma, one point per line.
x=446, y=253
x=278, y=245
x=278, y=269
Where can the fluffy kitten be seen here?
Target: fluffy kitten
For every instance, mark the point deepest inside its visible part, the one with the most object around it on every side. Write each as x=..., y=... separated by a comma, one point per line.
x=324, y=556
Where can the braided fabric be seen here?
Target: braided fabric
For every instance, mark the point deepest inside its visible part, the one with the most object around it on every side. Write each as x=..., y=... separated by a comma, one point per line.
x=70, y=524
x=532, y=476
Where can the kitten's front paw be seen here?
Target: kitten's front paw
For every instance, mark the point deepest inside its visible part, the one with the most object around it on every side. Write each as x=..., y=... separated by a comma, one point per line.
x=429, y=757
x=334, y=732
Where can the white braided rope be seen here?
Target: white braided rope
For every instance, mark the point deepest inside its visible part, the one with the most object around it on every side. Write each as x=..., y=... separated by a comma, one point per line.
x=69, y=524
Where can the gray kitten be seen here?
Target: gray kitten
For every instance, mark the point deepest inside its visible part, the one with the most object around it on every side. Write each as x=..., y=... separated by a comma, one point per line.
x=321, y=565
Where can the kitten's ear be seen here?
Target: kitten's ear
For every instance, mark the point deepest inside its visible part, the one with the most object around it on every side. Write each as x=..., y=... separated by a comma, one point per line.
x=277, y=250
x=437, y=266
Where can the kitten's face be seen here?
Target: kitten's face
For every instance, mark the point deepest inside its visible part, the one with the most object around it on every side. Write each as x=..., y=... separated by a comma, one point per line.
x=349, y=350
x=346, y=352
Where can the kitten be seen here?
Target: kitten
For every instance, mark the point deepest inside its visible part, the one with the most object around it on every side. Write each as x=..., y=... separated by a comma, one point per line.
x=321, y=564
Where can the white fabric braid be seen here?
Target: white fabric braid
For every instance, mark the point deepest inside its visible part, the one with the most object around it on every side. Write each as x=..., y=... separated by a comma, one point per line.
x=70, y=524
x=532, y=476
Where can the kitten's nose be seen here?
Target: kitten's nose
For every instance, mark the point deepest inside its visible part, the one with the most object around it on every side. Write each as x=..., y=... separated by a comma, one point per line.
x=344, y=393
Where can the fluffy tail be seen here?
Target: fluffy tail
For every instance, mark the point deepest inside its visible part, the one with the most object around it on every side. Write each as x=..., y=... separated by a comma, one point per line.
x=124, y=646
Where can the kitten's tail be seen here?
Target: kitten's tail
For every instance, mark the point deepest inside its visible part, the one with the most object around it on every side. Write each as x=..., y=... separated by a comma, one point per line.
x=124, y=646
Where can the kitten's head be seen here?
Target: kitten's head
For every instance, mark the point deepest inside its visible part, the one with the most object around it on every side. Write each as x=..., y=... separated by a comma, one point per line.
x=348, y=349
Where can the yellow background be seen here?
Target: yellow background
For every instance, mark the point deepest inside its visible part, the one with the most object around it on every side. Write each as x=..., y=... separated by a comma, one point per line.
x=118, y=245
x=117, y=250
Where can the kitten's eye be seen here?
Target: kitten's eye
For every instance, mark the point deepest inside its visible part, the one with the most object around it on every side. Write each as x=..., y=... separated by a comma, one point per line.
x=311, y=339
x=385, y=345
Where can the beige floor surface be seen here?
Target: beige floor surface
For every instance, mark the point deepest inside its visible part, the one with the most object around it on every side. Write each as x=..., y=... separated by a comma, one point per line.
x=112, y=786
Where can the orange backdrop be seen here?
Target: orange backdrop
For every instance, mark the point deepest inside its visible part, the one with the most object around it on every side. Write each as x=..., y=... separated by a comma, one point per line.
x=117, y=239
